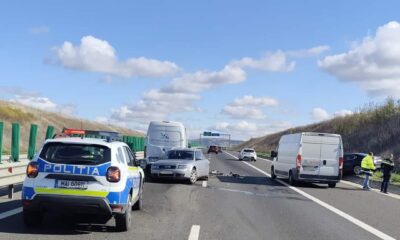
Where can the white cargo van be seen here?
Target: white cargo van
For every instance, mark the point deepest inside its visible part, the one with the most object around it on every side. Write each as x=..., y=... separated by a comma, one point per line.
x=161, y=137
x=309, y=157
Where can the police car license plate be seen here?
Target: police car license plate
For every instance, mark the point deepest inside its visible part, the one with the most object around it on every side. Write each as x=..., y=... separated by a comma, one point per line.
x=71, y=184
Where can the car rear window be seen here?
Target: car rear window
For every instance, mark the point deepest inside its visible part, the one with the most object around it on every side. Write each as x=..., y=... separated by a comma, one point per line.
x=248, y=150
x=183, y=155
x=81, y=154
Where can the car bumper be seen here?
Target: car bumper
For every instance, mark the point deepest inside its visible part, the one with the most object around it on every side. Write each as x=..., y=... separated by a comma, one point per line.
x=171, y=173
x=249, y=157
x=74, y=205
x=317, y=178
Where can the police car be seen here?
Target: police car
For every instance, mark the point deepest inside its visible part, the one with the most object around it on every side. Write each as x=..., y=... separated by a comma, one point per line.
x=90, y=177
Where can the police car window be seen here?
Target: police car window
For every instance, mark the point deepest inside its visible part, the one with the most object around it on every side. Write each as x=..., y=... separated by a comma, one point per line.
x=82, y=154
x=129, y=156
x=121, y=156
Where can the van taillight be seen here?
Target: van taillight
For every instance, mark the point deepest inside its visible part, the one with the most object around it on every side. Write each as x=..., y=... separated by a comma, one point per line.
x=32, y=170
x=298, y=161
x=340, y=163
x=113, y=174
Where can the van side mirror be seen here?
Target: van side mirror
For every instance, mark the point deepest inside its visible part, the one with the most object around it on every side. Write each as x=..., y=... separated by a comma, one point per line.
x=274, y=154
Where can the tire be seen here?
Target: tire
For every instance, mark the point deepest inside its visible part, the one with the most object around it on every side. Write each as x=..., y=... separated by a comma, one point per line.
x=123, y=221
x=240, y=159
x=32, y=218
x=357, y=170
x=193, y=176
x=139, y=203
x=273, y=176
x=292, y=182
x=332, y=185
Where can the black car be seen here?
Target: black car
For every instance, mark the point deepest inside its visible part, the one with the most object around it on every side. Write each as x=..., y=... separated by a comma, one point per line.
x=352, y=162
x=214, y=149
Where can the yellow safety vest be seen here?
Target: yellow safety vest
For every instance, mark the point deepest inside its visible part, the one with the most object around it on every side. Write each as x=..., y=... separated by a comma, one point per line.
x=368, y=163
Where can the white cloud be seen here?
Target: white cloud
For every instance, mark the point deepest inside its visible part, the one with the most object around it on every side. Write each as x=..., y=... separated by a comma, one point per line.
x=38, y=30
x=374, y=63
x=343, y=113
x=242, y=112
x=202, y=80
x=249, y=100
x=155, y=105
x=271, y=62
x=102, y=120
x=245, y=130
x=43, y=103
x=98, y=55
x=319, y=114
x=249, y=107
x=311, y=52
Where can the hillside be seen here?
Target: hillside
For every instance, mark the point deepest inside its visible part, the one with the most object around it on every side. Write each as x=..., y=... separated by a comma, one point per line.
x=375, y=128
x=13, y=112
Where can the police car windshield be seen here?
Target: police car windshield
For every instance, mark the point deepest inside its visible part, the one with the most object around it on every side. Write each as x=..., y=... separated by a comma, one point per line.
x=182, y=155
x=81, y=154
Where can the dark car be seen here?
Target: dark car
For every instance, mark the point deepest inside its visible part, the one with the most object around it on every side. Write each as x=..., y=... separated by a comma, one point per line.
x=214, y=149
x=352, y=162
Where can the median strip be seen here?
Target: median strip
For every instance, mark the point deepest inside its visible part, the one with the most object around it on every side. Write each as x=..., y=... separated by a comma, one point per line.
x=346, y=216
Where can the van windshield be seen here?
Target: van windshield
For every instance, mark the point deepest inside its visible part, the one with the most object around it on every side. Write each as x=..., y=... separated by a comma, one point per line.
x=82, y=154
x=168, y=137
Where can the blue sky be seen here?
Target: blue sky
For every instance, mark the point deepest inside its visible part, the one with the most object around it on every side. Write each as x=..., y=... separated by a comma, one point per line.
x=244, y=67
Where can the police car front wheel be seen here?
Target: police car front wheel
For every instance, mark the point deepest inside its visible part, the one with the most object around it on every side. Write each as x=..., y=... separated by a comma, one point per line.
x=32, y=218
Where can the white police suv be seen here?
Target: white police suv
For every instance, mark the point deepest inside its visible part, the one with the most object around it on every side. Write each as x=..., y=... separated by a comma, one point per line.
x=91, y=178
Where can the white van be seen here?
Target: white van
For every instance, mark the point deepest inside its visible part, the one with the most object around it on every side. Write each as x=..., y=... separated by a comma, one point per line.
x=162, y=137
x=309, y=157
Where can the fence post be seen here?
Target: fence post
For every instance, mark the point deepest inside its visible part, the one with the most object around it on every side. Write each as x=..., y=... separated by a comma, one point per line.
x=1, y=139
x=32, y=141
x=49, y=132
x=15, y=142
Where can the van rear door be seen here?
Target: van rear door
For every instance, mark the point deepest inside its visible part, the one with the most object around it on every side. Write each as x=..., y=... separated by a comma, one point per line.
x=330, y=153
x=320, y=154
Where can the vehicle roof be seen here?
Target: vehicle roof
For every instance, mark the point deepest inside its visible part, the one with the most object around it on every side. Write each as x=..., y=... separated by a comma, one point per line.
x=248, y=149
x=97, y=141
x=165, y=123
x=184, y=149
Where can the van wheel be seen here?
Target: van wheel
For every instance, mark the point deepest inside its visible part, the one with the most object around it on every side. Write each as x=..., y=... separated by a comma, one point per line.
x=292, y=182
x=123, y=221
x=193, y=176
x=32, y=218
x=273, y=176
x=332, y=185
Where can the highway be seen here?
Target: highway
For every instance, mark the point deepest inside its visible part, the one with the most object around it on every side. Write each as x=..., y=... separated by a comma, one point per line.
x=242, y=203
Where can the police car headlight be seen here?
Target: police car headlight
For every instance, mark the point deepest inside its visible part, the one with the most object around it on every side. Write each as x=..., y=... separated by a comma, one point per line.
x=182, y=166
x=32, y=170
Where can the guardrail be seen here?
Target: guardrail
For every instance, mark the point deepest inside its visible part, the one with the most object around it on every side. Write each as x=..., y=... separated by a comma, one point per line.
x=12, y=173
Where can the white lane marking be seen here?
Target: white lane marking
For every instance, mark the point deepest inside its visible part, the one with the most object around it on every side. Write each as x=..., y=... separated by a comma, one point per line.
x=204, y=184
x=194, y=232
x=346, y=216
x=396, y=196
x=10, y=213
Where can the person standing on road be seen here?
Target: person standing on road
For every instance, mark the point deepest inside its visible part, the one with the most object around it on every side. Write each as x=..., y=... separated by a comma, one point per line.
x=367, y=165
x=387, y=168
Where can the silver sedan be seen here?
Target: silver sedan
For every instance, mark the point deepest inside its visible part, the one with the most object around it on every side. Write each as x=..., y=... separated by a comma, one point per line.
x=186, y=164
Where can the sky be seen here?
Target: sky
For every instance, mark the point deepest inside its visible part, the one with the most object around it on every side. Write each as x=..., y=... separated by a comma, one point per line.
x=247, y=68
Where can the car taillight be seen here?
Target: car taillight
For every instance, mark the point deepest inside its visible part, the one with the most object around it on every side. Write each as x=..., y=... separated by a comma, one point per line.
x=340, y=163
x=32, y=170
x=113, y=174
x=298, y=162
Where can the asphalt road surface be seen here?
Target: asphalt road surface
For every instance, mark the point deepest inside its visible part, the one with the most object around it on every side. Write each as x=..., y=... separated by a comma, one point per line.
x=240, y=203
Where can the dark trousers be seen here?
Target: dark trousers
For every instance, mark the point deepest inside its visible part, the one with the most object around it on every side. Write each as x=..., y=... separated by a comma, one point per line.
x=385, y=183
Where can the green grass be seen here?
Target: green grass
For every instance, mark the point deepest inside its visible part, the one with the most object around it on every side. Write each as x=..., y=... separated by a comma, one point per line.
x=15, y=115
x=264, y=154
x=395, y=177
